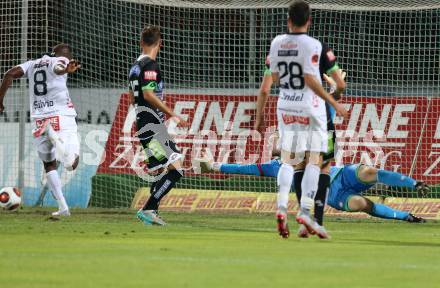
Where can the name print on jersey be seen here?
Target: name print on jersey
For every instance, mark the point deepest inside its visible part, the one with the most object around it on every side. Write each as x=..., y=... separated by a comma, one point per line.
x=292, y=97
x=42, y=64
x=43, y=104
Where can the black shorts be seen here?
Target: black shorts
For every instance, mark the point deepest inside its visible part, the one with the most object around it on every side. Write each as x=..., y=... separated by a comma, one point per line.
x=331, y=144
x=331, y=147
x=158, y=145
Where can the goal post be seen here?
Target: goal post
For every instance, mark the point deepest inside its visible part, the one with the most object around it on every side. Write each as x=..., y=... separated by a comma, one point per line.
x=212, y=61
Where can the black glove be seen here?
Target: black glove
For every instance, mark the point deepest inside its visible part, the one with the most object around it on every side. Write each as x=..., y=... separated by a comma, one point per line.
x=422, y=189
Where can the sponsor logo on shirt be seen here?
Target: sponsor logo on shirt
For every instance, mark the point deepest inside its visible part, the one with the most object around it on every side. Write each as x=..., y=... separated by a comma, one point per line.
x=289, y=45
x=315, y=59
x=291, y=119
x=54, y=122
x=150, y=75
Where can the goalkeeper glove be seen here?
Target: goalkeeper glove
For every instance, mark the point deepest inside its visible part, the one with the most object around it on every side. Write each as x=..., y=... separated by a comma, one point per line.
x=422, y=189
x=332, y=82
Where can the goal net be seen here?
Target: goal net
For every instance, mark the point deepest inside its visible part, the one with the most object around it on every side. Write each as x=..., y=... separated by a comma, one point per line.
x=212, y=60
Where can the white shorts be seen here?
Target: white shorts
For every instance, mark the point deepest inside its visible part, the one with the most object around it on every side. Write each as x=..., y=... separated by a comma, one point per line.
x=67, y=130
x=302, y=132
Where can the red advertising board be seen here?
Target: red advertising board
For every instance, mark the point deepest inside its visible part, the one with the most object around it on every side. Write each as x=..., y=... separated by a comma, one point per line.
x=396, y=133
x=427, y=164
x=381, y=131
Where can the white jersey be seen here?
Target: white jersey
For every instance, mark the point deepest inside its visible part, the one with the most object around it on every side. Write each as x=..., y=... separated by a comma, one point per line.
x=293, y=55
x=48, y=91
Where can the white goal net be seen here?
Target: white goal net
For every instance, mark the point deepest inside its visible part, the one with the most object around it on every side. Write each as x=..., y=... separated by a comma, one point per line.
x=212, y=60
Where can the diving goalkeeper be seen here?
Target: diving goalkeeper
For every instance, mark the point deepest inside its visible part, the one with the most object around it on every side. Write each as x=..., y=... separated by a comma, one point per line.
x=347, y=184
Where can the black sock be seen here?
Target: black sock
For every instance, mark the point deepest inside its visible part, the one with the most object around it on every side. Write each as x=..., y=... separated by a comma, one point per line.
x=321, y=195
x=297, y=179
x=153, y=184
x=161, y=188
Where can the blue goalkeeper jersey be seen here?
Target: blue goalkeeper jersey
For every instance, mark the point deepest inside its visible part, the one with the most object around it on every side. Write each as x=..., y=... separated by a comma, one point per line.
x=345, y=179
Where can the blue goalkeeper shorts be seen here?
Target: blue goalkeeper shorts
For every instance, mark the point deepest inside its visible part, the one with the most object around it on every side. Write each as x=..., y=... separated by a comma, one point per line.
x=345, y=184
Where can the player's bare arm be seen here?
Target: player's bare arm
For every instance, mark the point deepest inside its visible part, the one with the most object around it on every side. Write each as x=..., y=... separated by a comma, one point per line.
x=339, y=78
x=131, y=97
x=276, y=78
x=263, y=94
x=317, y=88
x=12, y=74
x=336, y=80
x=158, y=104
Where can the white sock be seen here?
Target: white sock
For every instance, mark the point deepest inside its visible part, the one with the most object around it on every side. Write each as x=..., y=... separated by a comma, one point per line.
x=309, y=186
x=54, y=182
x=284, y=179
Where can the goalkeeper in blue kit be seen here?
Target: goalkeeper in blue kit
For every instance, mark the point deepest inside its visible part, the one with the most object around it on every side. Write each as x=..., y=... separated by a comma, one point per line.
x=346, y=187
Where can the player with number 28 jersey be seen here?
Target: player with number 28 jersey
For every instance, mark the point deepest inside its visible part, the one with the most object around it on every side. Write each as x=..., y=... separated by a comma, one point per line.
x=292, y=55
x=302, y=118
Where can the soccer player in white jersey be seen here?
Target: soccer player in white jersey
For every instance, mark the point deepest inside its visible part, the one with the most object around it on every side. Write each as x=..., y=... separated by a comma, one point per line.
x=294, y=61
x=52, y=114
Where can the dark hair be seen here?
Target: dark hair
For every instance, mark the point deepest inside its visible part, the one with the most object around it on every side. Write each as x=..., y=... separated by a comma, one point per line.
x=62, y=49
x=299, y=13
x=150, y=35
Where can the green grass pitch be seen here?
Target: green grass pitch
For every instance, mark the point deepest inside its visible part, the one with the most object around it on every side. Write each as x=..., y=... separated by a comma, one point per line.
x=110, y=248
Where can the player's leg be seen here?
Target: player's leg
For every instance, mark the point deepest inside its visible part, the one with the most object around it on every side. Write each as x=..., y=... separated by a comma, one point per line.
x=71, y=144
x=309, y=187
x=357, y=203
x=321, y=194
x=297, y=179
x=288, y=144
x=43, y=190
x=163, y=185
x=309, y=183
x=345, y=194
x=46, y=153
x=164, y=155
x=55, y=186
x=323, y=184
x=324, y=177
x=320, y=198
x=317, y=143
x=64, y=137
x=67, y=142
x=284, y=181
